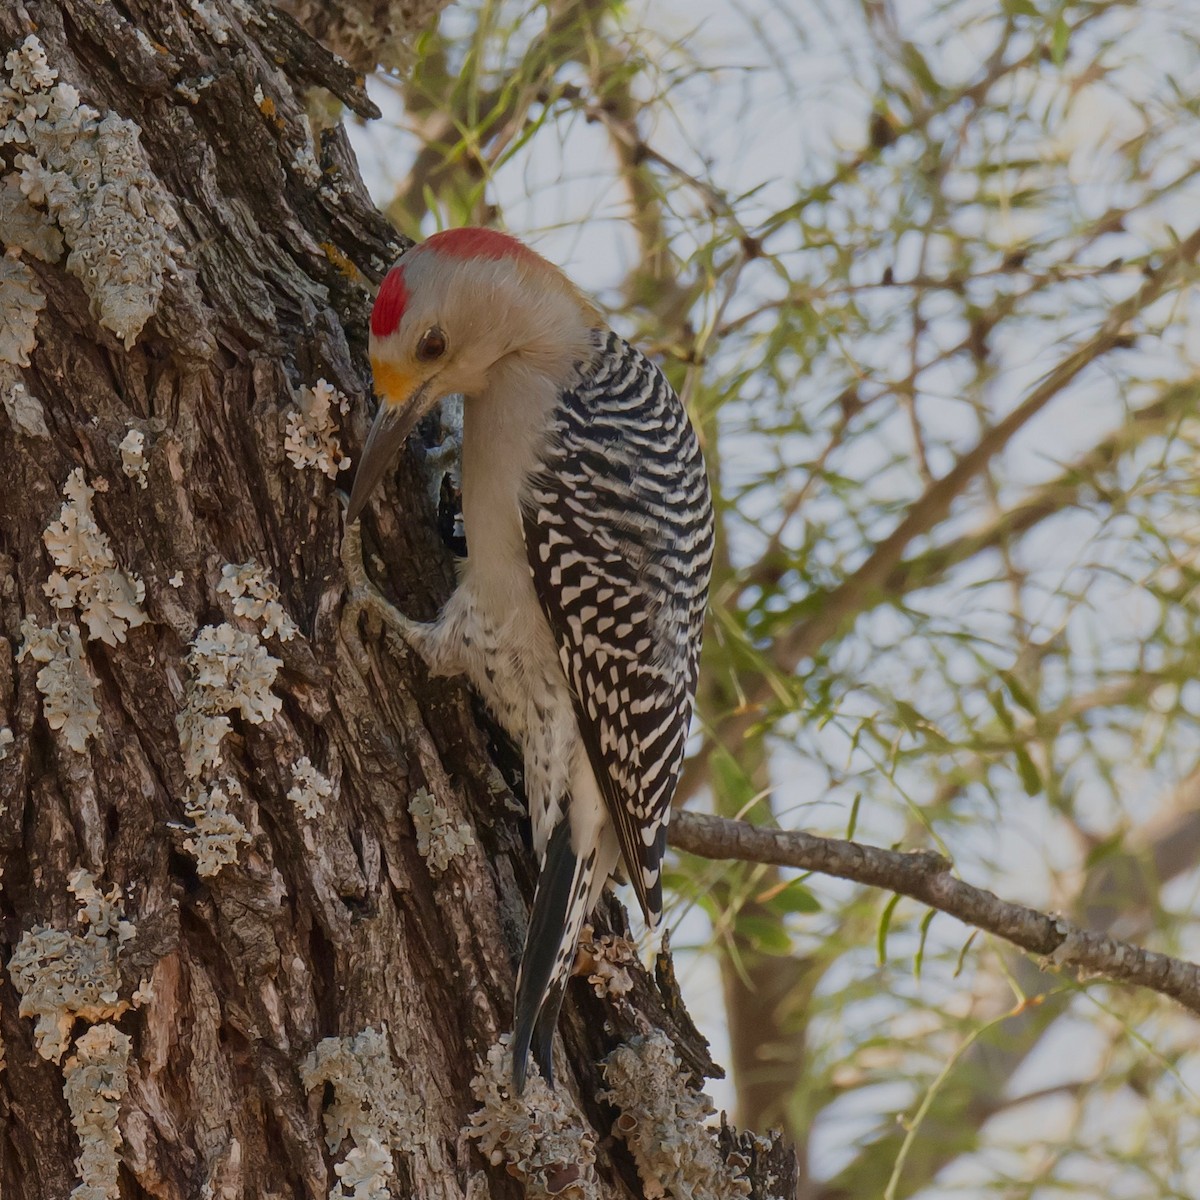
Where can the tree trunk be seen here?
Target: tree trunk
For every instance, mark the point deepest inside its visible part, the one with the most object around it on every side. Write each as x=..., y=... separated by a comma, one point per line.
x=263, y=883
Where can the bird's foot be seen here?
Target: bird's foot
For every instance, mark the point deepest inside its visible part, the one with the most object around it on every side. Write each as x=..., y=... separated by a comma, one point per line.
x=363, y=596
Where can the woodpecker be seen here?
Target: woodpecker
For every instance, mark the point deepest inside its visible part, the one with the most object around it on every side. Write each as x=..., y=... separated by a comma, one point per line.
x=579, y=610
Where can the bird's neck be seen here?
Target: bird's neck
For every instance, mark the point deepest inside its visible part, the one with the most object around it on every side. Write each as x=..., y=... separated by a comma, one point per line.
x=508, y=422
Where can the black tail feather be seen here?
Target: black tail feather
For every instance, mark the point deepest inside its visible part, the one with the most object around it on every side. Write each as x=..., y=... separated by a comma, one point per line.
x=539, y=995
x=543, y=1031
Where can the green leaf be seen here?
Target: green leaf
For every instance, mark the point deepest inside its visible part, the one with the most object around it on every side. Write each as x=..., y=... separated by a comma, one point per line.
x=919, y=70
x=919, y=957
x=677, y=881
x=735, y=791
x=909, y=717
x=1016, y=689
x=885, y=923
x=765, y=934
x=962, y=954
x=794, y=898
x=852, y=824
x=1109, y=847
x=996, y=700
x=1059, y=40
x=1031, y=777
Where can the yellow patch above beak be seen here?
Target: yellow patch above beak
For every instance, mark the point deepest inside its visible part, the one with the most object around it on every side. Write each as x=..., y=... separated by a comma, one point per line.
x=393, y=384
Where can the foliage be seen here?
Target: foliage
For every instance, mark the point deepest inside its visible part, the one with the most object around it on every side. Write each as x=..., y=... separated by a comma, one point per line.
x=922, y=274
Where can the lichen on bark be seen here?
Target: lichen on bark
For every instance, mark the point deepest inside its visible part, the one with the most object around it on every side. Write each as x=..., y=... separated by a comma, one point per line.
x=326, y=923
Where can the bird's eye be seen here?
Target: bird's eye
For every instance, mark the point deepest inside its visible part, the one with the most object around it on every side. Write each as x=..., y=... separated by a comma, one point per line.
x=432, y=345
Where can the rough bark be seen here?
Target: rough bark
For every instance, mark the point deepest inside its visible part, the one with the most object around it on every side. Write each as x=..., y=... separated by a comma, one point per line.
x=326, y=924
x=366, y=33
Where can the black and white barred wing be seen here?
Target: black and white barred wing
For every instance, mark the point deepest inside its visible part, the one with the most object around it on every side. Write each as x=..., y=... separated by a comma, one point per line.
x=619, y=531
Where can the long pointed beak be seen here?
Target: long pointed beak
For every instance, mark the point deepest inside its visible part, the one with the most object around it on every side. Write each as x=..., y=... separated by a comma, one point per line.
x=393, y=424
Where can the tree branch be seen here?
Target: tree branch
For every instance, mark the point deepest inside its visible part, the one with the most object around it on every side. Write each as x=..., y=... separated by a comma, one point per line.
x=928, y=877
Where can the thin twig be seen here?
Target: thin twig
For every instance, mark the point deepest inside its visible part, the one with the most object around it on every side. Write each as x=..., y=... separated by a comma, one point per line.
x=1052, y=497
x=928, y=877
x=860, y=590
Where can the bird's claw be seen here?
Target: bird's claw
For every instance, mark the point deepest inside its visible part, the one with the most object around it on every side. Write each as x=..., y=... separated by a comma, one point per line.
x=363, y=596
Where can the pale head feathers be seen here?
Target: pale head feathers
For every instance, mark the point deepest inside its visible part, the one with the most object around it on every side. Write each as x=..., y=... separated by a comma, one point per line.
x=493, y=300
